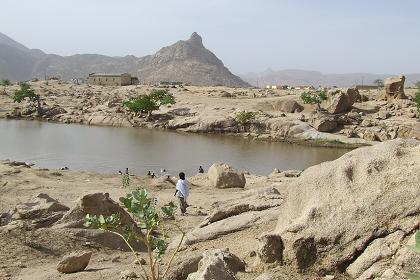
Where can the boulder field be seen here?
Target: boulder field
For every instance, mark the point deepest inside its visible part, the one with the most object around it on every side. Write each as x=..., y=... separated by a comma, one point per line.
x=351, y=218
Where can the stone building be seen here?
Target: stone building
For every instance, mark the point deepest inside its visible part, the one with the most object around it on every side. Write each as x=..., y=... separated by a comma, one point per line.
x=109, y=79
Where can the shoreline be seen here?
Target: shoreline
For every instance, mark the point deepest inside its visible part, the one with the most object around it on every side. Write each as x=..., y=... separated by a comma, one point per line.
x=265, y=137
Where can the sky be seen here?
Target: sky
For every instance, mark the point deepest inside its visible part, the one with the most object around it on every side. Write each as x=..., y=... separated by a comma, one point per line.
x=331, y=36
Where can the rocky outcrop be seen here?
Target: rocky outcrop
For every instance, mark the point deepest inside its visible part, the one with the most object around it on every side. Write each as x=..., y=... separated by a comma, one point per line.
x=74, y=262
x=288, y=106
x=224, y=176
x=394, y=88
x=41, y=211
x=356, y=213
x=323, y=122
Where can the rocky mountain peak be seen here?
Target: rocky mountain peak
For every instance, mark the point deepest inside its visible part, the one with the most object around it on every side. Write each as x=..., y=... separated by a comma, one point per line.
x=195, y=40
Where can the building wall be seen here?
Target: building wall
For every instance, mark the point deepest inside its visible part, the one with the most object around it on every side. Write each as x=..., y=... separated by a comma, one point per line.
x=122, y=80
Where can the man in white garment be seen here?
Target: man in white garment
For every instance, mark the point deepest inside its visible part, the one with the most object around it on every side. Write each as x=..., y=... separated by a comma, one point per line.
x=182, y=191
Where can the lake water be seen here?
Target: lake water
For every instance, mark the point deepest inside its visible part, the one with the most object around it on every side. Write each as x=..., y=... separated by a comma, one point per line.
x=109, y=149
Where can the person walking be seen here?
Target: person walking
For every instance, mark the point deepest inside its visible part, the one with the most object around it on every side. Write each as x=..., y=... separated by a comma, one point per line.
x=182, y=191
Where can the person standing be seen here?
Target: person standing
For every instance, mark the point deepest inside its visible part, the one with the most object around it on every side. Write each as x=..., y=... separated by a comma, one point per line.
x=182, y=191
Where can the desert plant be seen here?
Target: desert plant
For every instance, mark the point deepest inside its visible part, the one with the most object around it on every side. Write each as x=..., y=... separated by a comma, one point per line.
x=379, y=82
x=415, y=248
x=417, y=100
x=245, y=117
x=314, y=97
x=150, y=102
x=24, y=92
x=143, y=210
x=5, y=82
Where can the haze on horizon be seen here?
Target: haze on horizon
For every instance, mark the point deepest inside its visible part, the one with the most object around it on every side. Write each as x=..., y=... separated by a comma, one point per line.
x=248, y=36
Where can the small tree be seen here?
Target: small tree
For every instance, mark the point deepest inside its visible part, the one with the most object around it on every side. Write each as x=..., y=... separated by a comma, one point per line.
x=5, y=82
x=415, y=248
x=151, y=102
x=244, y=118
x=316, y=97
x=379, y=82
x=24, y=92
x=417, y=84
x=143, y=210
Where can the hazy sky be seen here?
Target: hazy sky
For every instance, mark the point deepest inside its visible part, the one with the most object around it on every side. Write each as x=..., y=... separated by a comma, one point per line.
x=332, y=36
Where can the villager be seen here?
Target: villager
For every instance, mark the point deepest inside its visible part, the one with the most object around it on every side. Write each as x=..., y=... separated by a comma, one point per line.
x=126, y=171
x=149, y=173
x=119, y=172
x=182, y=191
x=200, y=169
x=153, y=175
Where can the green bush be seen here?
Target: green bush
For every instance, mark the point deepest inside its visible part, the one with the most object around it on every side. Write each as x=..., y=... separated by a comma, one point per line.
x=24, y=92
x=314, y=97
x=417, y=100
x=143, y=210
x=5, y=82
x=245, y=117
x=415, y=248
x=150, y=102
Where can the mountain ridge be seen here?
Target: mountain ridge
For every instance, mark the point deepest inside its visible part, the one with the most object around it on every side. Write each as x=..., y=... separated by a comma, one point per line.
x=187, y=61
x=299, y=77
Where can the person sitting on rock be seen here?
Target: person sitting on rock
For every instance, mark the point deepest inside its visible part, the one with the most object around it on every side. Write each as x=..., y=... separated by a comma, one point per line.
x=200, y=169
x=182, y=191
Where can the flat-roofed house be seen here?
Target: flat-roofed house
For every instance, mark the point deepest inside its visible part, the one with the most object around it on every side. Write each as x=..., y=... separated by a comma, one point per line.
x=109, y=79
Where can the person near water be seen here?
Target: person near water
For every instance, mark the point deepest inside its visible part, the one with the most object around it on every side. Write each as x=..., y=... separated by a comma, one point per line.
x=126, y=171
x=153, y=175
x=200, y=169
x=182, y=191
x=149, y=173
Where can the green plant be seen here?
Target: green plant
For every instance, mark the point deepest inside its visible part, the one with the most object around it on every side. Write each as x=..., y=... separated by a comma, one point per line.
x=415, y=248
x=314, y=97
x=417, y=84
x=143, y=210
x=417, y=100
x=24, y=92
x=379, y=82
x=125, y=180
x=150, y=102
x=5, y=82
x=245, y=117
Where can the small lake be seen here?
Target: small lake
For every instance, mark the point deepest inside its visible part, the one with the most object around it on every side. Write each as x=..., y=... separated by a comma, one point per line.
x=109, y=149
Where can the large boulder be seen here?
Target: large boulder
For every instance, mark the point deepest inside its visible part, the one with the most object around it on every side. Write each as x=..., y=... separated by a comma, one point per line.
x=342, y=102
x=74, y=262
x=394, y=88
x=218, y=264
x=356, y=212
x=94, y=204
x=323, y=122
x=288, y=106
x=223, y=176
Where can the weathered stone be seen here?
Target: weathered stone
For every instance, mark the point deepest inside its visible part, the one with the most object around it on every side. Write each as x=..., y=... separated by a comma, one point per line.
x=342, y=102
x=184, y=267
x=288, y=106
x=323, y=122
x=394, y=88
x=270, y=248
x=74, y=262
x=218, y=264
x=223, y=176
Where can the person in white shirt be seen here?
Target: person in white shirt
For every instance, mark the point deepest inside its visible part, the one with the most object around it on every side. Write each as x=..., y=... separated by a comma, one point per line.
x=182, y=191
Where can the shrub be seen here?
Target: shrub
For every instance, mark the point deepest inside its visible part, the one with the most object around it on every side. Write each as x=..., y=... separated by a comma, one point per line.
x=150, y=102
x=144, y=212
x=24, y=92
x=316, y=97
x=379, y=82
x=417, y=100
x=415, y=248
x=245, y=117
x=5, y=82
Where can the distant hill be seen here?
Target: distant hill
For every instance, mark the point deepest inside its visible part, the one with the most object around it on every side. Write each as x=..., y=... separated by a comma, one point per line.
x=186, y=61
x=302, y=77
